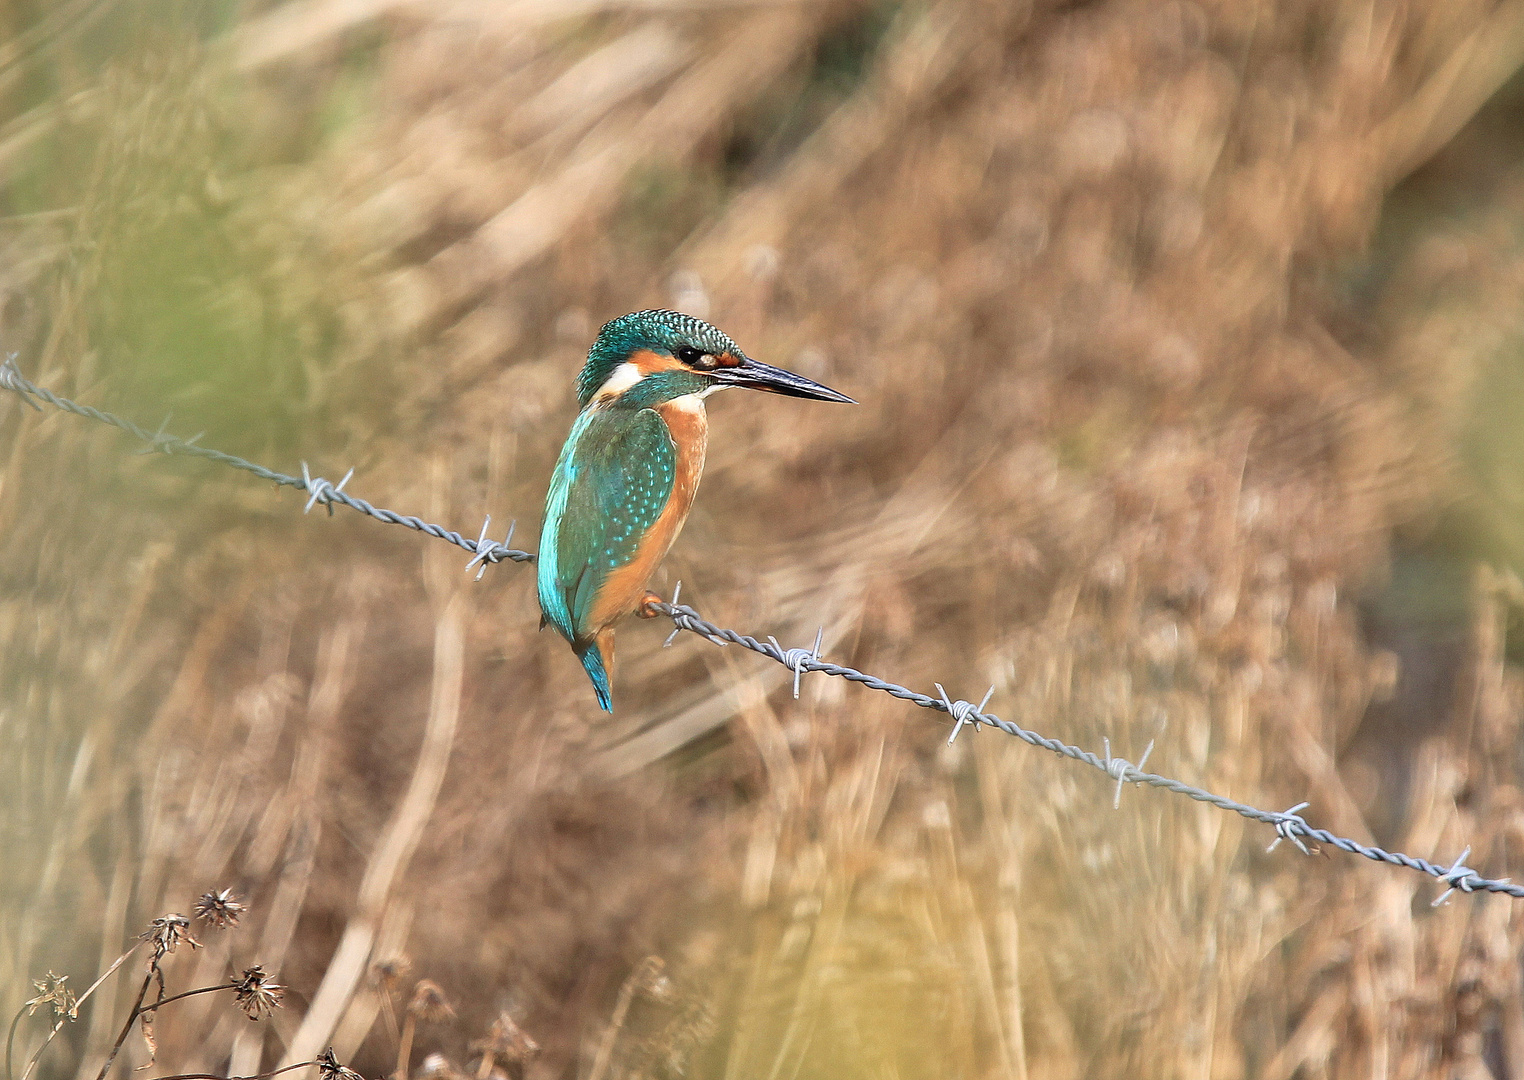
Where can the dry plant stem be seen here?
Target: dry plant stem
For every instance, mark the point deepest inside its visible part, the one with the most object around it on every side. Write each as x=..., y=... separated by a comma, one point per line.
x=621, y=1007
x=10, y=1039
x=132, y=1017
x=186, y=994
x=256, y=1076
x=389, y=1017
x=37, y=1055
x=405, y=1046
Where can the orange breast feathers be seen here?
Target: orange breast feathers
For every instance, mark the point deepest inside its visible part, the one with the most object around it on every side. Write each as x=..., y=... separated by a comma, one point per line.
x=622, y=591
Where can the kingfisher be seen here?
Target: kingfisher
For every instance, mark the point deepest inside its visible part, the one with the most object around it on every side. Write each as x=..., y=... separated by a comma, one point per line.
x=626, y=477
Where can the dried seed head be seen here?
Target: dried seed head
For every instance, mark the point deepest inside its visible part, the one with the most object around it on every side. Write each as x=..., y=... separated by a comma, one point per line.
x=651, y=979
x=165, y=934
x=222, y=909
x=677, y=1044
x=389, y=973
x=429, y=1003
x=507, y=1040
x=438, y=1067
x=51, y=990
x=330, y=1069
x=258, y=994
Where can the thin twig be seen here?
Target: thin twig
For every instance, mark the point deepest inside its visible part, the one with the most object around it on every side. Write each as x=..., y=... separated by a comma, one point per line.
x=37, y=1054
x=132, y=1018
x=10, y=1039
x=186, y=994
x=405, y=1046
x=616, y=1023
x=219, y=1076
x=118, y=962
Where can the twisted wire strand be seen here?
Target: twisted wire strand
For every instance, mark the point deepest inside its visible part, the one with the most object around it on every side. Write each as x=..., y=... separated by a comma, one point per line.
x=1289, y=825
x=319, y=490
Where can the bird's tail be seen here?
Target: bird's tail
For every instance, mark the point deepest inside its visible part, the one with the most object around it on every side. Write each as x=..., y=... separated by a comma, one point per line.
x=598, y=658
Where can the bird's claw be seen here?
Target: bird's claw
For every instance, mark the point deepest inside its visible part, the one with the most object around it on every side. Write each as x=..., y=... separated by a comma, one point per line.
x=645, y=610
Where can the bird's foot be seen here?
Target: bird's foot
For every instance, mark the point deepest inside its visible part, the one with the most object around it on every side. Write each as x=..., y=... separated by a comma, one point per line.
x=644, y=609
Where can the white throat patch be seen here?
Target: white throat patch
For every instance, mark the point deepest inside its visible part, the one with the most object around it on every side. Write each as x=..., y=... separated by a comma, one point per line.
x=695, y=402
x=621, y=379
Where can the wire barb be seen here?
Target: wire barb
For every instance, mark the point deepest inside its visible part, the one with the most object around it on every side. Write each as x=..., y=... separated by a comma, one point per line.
x=964, y=712
x=799, y=659
x=685, y=618
x=321, y=490
x=1459, y=876
x=490, y=551
x=677, y=590
x=1121, y=770
x=10, y=379
x=161, y=442
x=1290, y=825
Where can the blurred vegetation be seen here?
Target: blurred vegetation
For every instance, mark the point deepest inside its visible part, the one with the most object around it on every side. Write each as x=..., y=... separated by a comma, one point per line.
x=1188, y=341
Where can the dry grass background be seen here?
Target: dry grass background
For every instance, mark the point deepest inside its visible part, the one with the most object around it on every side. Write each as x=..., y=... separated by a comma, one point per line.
x=1158, y=376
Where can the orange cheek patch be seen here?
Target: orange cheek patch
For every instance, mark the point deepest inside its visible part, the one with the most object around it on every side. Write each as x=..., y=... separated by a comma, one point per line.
x=649, y=363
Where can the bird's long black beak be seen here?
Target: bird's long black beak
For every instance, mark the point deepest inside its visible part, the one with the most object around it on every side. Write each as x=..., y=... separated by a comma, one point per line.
x=755, y=375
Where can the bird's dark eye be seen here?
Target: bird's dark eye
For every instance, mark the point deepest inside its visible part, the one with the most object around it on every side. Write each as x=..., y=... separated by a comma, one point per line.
x=694, y=358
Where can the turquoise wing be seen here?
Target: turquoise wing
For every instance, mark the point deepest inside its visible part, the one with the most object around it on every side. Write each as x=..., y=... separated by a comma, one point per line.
x=612, y=482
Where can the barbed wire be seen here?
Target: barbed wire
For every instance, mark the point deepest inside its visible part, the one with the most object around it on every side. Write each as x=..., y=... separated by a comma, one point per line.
x=319, y=490
x=1289, y=825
